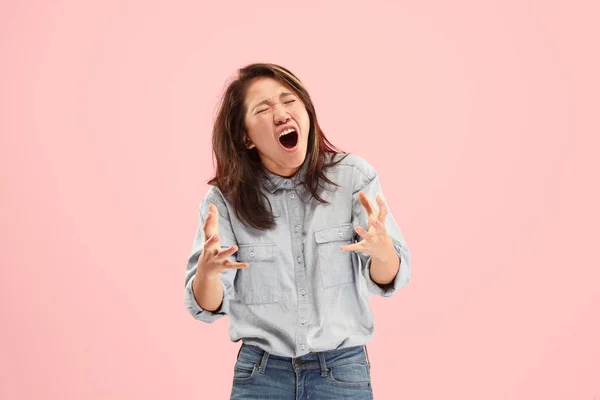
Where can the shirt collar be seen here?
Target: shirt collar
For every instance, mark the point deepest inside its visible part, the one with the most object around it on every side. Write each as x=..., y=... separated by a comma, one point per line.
x=273, y=181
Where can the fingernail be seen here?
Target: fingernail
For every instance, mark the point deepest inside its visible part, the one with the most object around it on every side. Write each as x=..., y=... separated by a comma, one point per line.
x=215, y=237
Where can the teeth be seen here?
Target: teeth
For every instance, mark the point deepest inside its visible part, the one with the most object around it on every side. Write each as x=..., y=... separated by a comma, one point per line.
x=290, y=130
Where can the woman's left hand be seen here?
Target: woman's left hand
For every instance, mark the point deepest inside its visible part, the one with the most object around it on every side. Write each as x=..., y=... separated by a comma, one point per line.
x=376, y=241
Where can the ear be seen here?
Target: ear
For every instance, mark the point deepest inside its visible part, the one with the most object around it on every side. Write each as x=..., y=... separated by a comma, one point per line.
x=248, y=142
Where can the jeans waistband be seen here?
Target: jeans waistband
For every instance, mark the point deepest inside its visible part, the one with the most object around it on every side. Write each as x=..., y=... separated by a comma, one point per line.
x=316, y=360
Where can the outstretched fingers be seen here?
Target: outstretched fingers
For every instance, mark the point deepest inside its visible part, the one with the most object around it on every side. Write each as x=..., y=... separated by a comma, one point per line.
x=224, y=253
x=359, y=246
x=211, y=225
x=383, y=210
x=234, y=265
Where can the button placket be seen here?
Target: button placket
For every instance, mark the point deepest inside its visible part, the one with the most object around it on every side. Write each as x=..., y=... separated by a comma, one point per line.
x=296, y=215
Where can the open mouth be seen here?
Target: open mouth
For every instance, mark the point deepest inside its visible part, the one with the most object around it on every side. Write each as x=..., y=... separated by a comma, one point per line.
x=289, y=140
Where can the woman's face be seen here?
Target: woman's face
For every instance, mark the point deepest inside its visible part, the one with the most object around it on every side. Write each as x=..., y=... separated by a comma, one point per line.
x=272, y=109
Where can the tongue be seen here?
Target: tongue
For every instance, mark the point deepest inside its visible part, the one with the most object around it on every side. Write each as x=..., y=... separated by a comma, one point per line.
x=289, y=141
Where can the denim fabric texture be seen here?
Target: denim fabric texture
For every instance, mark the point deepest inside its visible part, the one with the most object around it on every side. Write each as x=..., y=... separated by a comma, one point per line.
x=337, y=374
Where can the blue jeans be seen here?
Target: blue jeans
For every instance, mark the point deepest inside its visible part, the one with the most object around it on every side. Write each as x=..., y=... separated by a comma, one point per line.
x=336, y=374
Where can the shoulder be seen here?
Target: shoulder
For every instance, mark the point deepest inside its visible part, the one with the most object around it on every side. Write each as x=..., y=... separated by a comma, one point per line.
x=362, y=170
x=214, y=196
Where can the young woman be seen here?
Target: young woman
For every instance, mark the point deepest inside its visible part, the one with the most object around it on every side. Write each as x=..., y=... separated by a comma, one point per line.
x=290, y=245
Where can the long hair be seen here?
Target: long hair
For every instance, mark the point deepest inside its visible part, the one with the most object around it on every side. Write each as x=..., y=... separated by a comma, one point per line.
x=239, y=171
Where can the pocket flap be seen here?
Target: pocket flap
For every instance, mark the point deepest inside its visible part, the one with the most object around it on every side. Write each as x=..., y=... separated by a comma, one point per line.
x=256, y=252
x=342, y=232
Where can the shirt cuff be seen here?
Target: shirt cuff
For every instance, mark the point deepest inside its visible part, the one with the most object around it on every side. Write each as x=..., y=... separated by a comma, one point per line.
x=198, y=312
x=400, y=280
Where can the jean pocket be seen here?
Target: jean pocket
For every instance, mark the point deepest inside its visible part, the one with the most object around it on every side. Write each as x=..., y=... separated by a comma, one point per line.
x=259, y=283
x=244, y=371
x=350, y=375
x=335, y=265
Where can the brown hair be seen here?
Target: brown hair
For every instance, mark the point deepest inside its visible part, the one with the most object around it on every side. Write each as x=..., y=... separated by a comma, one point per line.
x=238, y=169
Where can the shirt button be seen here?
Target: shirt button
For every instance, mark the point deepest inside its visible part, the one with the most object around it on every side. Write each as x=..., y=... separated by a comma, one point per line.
x=302, y=292
x=340, y=233
x=252, y=253
x=301, y=347
x=292, y=195
x=299, y=259
x=296, y=228
x=303, y=321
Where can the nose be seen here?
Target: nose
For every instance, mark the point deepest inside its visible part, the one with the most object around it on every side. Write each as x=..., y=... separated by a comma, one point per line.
x=280, y=115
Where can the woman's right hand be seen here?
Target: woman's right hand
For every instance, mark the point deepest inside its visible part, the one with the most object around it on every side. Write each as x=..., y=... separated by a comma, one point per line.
x=213, y=260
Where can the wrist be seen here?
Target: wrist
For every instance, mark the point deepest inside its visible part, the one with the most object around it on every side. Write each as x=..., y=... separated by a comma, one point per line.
x=389, y=255
x=205, y=275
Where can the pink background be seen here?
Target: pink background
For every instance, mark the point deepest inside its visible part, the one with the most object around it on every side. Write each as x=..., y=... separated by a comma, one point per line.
x=480, y=116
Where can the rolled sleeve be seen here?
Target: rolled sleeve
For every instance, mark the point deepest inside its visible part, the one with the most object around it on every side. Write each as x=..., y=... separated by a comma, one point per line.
x=367, y=180
x=400, y=280
x=197, y=311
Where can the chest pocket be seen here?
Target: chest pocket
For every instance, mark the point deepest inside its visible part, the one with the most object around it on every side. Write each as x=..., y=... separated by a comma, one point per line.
x=334, y=264
x=260, y=282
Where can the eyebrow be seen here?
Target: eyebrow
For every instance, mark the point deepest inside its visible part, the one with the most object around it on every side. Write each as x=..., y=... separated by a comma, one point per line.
x=266, y=101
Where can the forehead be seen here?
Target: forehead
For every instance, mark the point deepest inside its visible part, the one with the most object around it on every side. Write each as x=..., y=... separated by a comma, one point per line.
x=264, y=88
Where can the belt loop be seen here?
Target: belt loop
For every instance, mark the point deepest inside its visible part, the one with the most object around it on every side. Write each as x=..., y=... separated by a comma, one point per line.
x=239, y=351
x=322, y=363
x=367, y=356
x=263, y=363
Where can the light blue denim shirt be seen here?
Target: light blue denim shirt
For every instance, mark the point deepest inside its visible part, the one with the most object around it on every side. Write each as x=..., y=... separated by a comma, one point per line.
x=300, y=293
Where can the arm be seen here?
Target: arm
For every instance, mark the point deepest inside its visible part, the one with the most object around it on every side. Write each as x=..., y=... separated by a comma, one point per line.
x=389, y=271
x=207, y=294
x=208, y=291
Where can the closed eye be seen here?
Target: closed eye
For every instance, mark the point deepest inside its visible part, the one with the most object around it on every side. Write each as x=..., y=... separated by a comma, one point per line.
x=265, y=109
